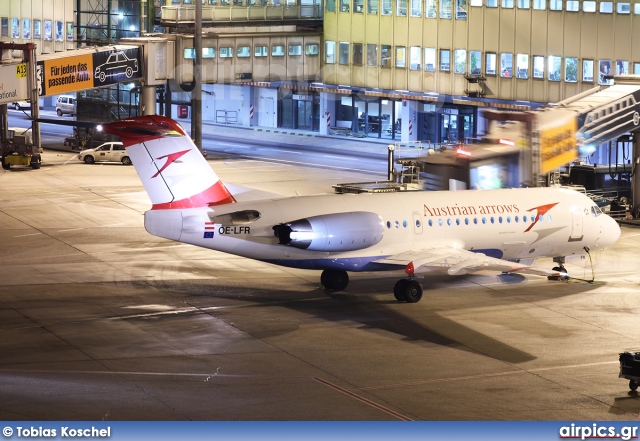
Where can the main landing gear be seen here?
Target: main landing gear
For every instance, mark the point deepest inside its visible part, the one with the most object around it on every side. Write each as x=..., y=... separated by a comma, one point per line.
x=405, y=290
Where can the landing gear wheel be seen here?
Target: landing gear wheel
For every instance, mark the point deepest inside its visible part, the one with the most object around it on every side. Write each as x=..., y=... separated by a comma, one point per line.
x=399, y=289
x=412, y=292
x=335, y=280
x=89, y=159
x=633, y=385
x=559, y=269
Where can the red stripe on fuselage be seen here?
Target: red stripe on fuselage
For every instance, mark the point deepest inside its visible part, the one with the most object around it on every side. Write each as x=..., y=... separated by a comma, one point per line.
x=217, y=194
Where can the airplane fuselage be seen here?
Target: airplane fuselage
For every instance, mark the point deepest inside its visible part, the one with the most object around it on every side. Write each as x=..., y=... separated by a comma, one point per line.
x=352, y=232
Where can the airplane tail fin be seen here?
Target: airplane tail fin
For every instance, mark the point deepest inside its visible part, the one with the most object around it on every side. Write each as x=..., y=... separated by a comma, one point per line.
x=172, y=169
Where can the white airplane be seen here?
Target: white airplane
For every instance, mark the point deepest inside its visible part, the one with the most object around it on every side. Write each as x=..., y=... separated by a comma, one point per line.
x=458, y=232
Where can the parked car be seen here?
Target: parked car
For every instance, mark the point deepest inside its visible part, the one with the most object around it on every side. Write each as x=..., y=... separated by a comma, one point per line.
x=21, y=105
x=65, y=104
x=107, y=152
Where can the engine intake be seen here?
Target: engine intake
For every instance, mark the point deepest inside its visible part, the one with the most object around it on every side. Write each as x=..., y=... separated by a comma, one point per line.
x=332, y=232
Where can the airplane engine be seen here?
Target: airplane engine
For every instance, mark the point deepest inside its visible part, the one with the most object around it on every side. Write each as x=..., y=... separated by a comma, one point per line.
x=332, y=232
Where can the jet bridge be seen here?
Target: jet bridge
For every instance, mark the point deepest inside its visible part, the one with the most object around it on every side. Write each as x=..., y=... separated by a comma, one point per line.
x=556, y=135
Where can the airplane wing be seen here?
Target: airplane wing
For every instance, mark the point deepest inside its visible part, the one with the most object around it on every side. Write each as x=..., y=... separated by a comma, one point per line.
x=456, y=261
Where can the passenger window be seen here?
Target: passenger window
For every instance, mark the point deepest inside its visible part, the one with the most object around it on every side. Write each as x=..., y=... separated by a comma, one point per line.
x=484, y=220
x=508, y=219
x=516, y=219
x=457, y=221
x=449, y=222
x=492, y=220
x=440, y=222
x=418, y=223
x=430, y=223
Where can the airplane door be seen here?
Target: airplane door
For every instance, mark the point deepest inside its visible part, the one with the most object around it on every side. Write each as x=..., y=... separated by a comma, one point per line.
x=576, y=226
x=417, y=223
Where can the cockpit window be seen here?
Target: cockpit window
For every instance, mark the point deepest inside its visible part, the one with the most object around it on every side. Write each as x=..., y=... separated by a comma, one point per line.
x=595, y=211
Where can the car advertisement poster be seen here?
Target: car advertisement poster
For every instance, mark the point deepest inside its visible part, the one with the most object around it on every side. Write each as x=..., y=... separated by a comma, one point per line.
x=86, y=71
x=558, y=145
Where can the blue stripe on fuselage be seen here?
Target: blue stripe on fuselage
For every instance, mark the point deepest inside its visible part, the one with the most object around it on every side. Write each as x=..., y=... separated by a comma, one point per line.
x=356, y=264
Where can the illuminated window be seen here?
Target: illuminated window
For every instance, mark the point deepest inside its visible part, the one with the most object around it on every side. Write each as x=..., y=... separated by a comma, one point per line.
x=523, y=4
x=460, y=63
x=554, y=67
x=445, y=60
x=445, y=8
x=189, y=53
x=429, y=59
x=277, y=50
x=538, y=66
x=475, y=62
x=416, y=8
x=244, y=52
x=295, y=50
x=330, y=52
x=401, y=8
x=461, y=9
x=387, y=7
x=490, y=64
x=589, y=6
x=432, y=8
x=571, y=69
x=506, y=65
x=555, y=5
x=311, y=49
x=573, y=5
x=401, y=56
x=540, y=4
x=522, y=66
x=208, y=52
x=606, y=7
x=372, y=6
x=385, y=55
x=226, y=52
x=261, y=51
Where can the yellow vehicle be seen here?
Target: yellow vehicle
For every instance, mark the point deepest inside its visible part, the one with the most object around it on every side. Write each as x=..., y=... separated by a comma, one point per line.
x=18, y=149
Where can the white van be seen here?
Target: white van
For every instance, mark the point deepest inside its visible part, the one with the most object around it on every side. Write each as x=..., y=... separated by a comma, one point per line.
x=65, y=104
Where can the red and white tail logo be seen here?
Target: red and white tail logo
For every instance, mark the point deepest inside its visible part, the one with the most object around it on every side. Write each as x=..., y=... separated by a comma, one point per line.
x=171, y=167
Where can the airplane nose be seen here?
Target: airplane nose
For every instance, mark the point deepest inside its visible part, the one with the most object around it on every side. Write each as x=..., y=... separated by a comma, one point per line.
x=610, y=233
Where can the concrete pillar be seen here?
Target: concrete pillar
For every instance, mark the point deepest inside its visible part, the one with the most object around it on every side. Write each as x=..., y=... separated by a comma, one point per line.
x=148, y=100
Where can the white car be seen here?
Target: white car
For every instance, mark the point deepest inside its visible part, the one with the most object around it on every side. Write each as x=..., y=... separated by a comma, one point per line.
x=21, y=105
x=107, y=152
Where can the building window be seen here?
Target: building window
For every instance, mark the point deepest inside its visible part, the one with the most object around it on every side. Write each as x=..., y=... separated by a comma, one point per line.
x=522, y=66
x=540, y=5
x=385, y=55
x=571, y=70
x=461, y=9
x=490, y=63
x=357, y=54
x=538, y=66
x=372, y=54
x=636, y=68
x=507, y=4
x=492, y=3
x=432, y=8
x=506, y=65
x=226, y=52
x=311, y=49
x=47, y=30
x=401, y=8
x=344, y=5
x=460, y=61
x=606, y=7
x=343, y=53
x=189, y=53
x=387, y=7
x=26, y=29
x=277, y=50
x=587, y=71
x=445, y=60
x=476, y=3
x=208, y=52
x=623, y=8
x=636, y=8
x=445, y=8
x=555, y=5
x=358, y=6
x=622, y=67
x=430, y=59
x=573, y=6
x=588, y=6
x=37, y=29
x=604, y=71
x=554, y=67
x=415, y=57
x=261, y=51
x=372, y=6
x=295, y=50
x=5, y=27
x=416, y=8
x=401, y=56
x=244, y=52
x=475, y=62
x=523, y=4
x=330, y=52
x=331, y=5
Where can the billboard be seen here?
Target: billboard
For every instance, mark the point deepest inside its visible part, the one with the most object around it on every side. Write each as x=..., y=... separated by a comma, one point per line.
x=13, y=83
x=558, y=146
x=88, y=70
